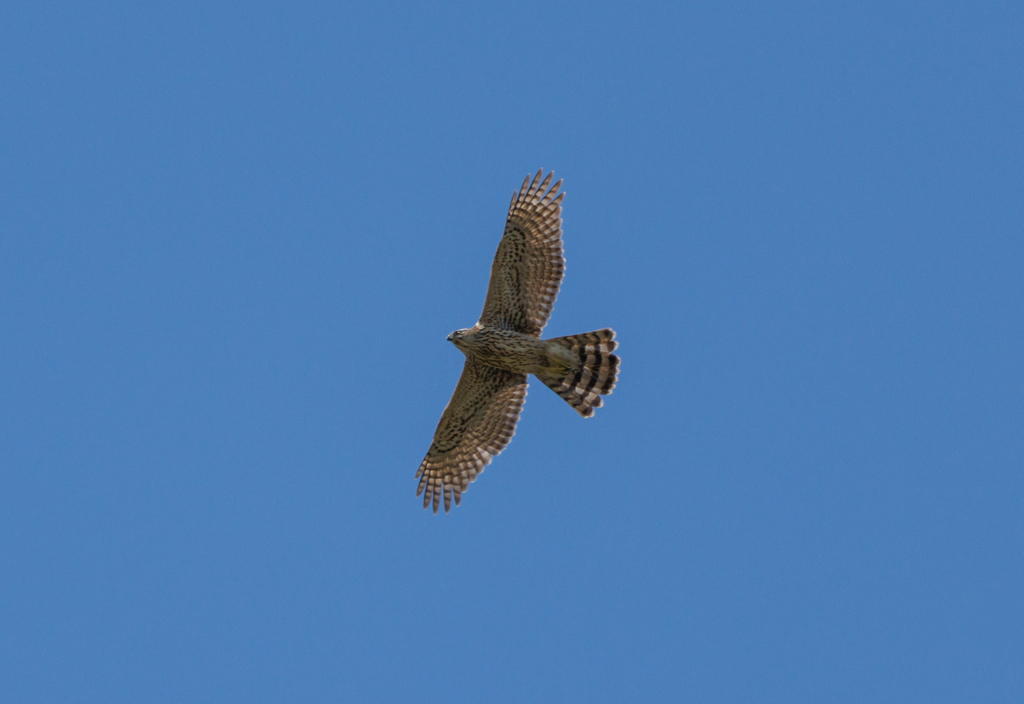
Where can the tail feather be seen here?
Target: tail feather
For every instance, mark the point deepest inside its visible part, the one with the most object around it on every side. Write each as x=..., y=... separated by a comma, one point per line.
x=593, y=377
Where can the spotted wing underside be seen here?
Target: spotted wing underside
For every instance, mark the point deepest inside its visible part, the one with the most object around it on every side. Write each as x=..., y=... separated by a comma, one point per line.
x=528, y=265
x=478, y=423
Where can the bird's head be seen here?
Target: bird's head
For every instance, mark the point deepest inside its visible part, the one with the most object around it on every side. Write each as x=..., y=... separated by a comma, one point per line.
x=458, y=337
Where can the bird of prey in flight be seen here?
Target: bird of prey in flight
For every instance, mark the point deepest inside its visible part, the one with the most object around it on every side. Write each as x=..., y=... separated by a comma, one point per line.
x=505, y=346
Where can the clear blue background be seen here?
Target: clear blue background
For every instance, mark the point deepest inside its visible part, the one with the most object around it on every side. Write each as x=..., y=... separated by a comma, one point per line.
x=234, y=236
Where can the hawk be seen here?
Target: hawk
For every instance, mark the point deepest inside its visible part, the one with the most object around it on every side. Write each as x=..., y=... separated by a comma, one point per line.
x=505, y=346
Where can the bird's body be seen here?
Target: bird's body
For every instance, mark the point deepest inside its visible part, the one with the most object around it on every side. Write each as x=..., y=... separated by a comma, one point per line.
x=513, y=351
x=505, y=346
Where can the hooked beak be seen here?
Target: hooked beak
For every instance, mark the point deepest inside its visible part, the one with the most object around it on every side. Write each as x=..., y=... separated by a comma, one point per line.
x=449, y=338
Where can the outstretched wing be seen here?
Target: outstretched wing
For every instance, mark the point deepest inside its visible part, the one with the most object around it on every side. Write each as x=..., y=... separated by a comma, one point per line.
x=528, y=266
x=477, y=424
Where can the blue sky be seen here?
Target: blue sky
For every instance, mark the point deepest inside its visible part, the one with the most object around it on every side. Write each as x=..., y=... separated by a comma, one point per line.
x=233, y=238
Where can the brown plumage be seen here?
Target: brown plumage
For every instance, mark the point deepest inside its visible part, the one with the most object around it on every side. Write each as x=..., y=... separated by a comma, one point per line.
x=505, y=346
x=596, y=373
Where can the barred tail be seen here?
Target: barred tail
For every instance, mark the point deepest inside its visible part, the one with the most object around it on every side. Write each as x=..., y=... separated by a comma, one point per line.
x=595, y=375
